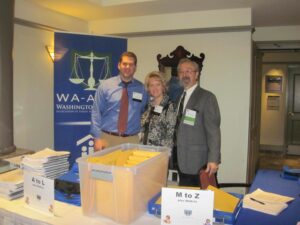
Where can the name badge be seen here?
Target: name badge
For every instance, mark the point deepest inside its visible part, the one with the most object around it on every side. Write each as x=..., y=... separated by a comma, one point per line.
x=137, y=96
x=158, y=109
x=189, y=117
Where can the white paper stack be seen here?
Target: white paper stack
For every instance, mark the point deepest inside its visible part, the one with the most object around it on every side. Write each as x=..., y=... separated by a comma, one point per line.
x=16, y=161
x=266, y=202
x=11, y=184
x=47, y=163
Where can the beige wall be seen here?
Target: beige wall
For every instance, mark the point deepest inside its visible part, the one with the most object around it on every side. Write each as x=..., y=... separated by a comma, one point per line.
x=33, y=72
x=225, y=38
x=281, y=33
x=272, y=134
x=226, y=72
x=223, y=35
x=33, y=89
x=175, y=22
x=31, y=13
x=274, y=122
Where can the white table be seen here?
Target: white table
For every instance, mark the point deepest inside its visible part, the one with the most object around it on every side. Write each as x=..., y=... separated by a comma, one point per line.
x=16, y=212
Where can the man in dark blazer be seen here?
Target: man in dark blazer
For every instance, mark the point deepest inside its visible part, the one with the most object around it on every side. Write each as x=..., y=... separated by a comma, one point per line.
x=198, y=136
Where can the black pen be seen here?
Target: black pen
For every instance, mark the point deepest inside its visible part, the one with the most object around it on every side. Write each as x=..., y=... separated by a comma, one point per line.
x=253, y=199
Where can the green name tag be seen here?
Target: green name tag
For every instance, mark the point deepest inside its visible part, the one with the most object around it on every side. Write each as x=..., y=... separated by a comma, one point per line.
x=189, y=117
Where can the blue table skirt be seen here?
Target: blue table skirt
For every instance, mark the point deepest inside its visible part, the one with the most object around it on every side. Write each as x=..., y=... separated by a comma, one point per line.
x=271, y=181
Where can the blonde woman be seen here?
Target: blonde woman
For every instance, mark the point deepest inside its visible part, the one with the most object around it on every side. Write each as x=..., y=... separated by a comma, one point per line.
x=159, y=120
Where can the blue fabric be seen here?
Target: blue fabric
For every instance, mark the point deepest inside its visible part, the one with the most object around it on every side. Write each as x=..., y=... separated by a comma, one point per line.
x=71, y=176
x=73, y=199
x=106, y=106
x=271, y=181
x=75, y=168
x=174, y=89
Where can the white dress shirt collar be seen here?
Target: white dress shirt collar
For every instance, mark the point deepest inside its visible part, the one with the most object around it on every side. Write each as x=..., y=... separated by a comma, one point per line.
x=188, y=94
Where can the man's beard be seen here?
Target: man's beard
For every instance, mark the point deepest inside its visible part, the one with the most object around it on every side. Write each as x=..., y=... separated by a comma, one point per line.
x=185, y=81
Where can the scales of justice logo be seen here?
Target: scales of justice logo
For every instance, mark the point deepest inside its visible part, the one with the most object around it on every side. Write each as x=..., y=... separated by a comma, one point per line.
x=90, y=69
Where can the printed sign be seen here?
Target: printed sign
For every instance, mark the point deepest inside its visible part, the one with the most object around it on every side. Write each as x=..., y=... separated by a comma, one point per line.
x=81, y=63
x=187, y=206
x=39, y=192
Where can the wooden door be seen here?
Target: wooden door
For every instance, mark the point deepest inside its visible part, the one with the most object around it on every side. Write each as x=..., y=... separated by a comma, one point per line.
x=293, y=115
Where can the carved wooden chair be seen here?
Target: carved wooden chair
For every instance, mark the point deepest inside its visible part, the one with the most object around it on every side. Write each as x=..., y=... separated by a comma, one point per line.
x=168, y=65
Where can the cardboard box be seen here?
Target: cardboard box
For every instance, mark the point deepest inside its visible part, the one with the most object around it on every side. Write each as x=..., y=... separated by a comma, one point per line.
x=121, y=192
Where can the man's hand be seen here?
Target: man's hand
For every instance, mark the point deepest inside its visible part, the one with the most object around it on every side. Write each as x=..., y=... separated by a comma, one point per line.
x=99, y=144
x=211, y=168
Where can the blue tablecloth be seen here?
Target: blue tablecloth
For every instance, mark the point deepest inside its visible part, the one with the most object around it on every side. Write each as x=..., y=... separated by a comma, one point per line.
x=270, y=180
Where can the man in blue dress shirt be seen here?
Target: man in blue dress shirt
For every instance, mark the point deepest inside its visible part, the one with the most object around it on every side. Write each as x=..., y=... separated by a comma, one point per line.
x=105, y=112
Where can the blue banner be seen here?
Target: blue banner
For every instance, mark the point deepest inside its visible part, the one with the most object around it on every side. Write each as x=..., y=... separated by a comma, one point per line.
x=81, y=63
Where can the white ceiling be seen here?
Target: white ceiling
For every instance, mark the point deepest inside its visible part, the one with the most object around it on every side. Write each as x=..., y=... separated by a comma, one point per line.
x=264, y=12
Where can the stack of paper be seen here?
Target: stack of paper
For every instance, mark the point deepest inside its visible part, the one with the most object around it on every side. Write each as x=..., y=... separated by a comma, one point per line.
x=16, y=161
x=47, y=163
x=266, y=202
x=11, y=184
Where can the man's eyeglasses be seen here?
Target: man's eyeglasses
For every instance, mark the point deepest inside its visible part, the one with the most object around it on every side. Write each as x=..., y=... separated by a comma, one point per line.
x=181, y=72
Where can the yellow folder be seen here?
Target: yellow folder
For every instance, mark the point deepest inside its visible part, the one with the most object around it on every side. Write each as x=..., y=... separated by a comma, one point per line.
x=223, y=201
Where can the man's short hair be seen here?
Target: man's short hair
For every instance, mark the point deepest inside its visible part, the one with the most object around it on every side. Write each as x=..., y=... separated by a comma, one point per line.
x=128, y=54
x=186, y=60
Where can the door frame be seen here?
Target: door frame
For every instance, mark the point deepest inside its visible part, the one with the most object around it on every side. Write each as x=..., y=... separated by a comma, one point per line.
x=255, y=113
x=255, y=103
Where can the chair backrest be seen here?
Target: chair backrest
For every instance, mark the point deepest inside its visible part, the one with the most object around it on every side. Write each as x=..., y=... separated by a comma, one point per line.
x=168, y=65
x=172, y=60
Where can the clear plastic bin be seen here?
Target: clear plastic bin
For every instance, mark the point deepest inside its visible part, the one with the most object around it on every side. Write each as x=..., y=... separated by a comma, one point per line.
x=118, y=192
